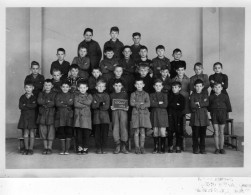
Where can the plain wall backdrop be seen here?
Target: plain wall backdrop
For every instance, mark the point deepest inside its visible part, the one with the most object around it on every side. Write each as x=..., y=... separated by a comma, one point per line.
x=172, y=27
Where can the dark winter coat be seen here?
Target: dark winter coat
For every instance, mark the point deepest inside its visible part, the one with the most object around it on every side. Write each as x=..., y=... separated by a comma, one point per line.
x=117, y=47
x=159, y=63
x=220, y=101
x=38, y=83
x=92, y=81
x=84, y=66
x=159, y=116
x=107, y=67
x=219, y=78
x=27, y=106
x=64, y=68
x=174, y=65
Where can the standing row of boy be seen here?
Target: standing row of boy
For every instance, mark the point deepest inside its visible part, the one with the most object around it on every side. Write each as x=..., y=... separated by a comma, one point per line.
x=81, y=100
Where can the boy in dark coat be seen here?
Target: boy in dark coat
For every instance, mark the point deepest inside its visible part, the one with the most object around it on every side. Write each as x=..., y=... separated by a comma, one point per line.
x=61, y=64
x=74, y=78
x=93, y=79
x=114, y=43
x=199, y=117
x=159, y=117
x=147, y=79
x=119, y=118
x=165, y=78
x=27, y=121
x=177, y=54
x=175, y=114
x=56, y=81
x=64, y=116
x=83, y=63
x=35, y=78
x=93, y=48
x=160, y=61
x=101, y=120
x=144, y=61
x=219, y=106
x=46, y=102
x=108, y=64
x=136, y=37
x=82, y=117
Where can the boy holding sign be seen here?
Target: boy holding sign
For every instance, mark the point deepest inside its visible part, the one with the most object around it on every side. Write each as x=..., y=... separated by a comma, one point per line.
x=119, y=100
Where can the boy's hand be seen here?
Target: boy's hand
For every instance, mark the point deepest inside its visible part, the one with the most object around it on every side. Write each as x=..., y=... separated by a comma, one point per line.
x=112, y=108
x=212, y=81
x=161, y=102
x=126, y=109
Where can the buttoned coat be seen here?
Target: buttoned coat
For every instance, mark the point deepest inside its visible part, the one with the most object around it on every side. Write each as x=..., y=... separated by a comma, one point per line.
x=159, y=116
x=27, y=118
x=199, y=114
x=140, y=102
x=64, y=109
x=82, y=114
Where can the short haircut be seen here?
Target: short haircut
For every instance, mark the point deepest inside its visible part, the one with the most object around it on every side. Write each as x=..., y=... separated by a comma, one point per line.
x=176, y=50
x=158, y=81
x=108, y=49
x=218, y=63
x=198, y=64
x=144, y=65
x=118, y=66
x=139, y=79
x=180, y=65
x=61, y=49
x=116, y=81
x=164, y=68
x=96, y=68
x=88, y=30
x=65, y=82
x=115, y=29
x=143, y=47
x=215, y=84
x=82, y=83
x=74, y=66
x=34, y=63
x=160, y=47
x=127, y=46
x=82, y=47
x=29, y=83
x=176, y=83
x=48, y=81
x=136, y=34
x=198, y=81
x=100, y=81
x=56, y=70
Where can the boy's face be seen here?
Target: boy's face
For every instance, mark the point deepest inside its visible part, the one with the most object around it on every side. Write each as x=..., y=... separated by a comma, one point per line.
x=217, y=68
x=117, y=87
x=217, y=88
x=82, y=52
x=28, y=89
x=136, y=40
x=158, y=87
x=48, y=86
x=109, y=54
x=164, y=73
x=56, y=75
x=143, y=53
x=74, y=72
x=198, y=87
x=143, y=71
x=198, y=70
x=114, y=35
x=176, y=88
x=96, y=73
x=60, y=55
x=139, y=85
x=160, y=52
x=177, y=55
x=118, y=72
x=34, y=69
x=127, y=53
x=65, y=88
x=88, y=36
x=101, y=87
x=82, y=88
x=180, y=71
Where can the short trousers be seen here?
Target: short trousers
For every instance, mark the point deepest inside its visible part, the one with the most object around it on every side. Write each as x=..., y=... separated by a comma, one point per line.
x=219, y=116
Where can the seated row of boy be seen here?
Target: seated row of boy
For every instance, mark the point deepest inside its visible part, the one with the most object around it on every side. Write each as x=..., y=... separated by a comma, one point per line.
x=64, y=118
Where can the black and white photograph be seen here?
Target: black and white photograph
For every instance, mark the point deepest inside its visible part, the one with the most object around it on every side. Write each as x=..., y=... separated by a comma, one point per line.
x=125, y=91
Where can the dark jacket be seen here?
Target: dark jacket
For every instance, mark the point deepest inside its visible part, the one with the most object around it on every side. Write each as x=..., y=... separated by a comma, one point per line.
x=64, y=68
x=117, y=47
x=148, y=81
x=199, y=114
x=135, y=52
x=166, y=84
x=56, y=86
x=84, y=66
x=219, y=78
x=110, y=88
x=46, y=102
x=93, y=52
x=92, y=81
x=205, y=80
x=74, y=83
x=38, y=83
x=27, y=118
x=100, y=106
x=107, y=67
x=174, y=65
x=64, y=107
x=176, y=104
x=220, y=101
x=158, y=63
x=159, y=117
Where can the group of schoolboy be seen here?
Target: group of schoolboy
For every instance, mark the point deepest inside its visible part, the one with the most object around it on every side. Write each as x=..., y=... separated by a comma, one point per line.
x=79, y=98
